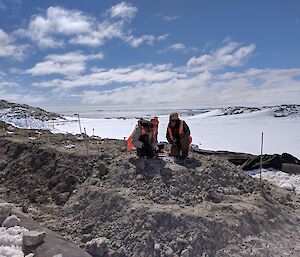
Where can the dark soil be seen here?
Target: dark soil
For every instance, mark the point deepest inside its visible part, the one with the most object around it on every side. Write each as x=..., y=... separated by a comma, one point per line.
x=202, y=206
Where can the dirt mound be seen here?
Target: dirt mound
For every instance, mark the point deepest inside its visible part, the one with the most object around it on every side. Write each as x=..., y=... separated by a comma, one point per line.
x=42, y=175
x=202, y=206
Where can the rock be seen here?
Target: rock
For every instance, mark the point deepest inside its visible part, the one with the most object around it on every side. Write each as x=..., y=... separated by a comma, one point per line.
x=169, y=252
x=62, y=198
x=213, y=196
x=11, y=221
x=185, y=253
x=86, y=238
x=58, y=255
x=157, y=250
x=3, y=164
x=25, y=207
x=5, y=210
x=165, y=172
x=98, y=246
x=139, y=177
x=32, y=238
x=289, y=197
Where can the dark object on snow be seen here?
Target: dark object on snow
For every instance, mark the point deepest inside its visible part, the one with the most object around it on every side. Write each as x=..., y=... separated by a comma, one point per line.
x=285, y=162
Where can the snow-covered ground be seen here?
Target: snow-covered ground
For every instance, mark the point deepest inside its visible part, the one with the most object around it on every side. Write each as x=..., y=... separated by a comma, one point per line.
x=278, y=178
x=11, y=242
x=236, y=129
x=210, y=130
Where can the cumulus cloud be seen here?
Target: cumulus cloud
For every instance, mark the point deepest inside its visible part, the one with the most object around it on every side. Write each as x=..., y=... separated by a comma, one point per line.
x=230, y=55
x=9, y=49
x=148, y=39
x=45, y=30
x=198, y=83
x=207, y=89
x=123, y=10
x=179, y=47
x=68, y=64
x=58, y=26
x=144, y=73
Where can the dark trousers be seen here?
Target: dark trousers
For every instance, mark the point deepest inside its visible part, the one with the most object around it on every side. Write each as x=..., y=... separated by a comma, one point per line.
x=141, y=152
x=181, y=148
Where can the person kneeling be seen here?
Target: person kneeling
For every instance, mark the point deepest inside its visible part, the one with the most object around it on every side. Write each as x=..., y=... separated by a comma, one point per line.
x=179, y=136
x=144, y=140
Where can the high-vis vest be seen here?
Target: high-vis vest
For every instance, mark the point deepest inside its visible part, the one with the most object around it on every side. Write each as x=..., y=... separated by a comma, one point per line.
x=129, y=140
x=181, y=132
x=155, y=123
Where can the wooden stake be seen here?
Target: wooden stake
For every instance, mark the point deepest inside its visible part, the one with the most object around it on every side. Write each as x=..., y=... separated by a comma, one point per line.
x=261, y=152
x=86, y=142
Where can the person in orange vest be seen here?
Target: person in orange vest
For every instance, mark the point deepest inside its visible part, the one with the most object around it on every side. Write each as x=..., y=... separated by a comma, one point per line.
x=154, y=128
x=179, y=136
x=143, y=139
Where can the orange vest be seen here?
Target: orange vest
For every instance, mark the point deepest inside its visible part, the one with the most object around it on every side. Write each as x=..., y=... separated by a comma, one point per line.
x=129, y=140
x=181, y=132
x=155, y=123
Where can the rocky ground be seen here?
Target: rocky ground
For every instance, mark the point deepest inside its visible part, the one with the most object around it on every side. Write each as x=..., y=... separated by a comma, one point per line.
x=94, y=192
x=19, y=111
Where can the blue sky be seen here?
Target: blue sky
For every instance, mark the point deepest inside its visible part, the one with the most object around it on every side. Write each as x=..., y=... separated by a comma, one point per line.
x=170, y=53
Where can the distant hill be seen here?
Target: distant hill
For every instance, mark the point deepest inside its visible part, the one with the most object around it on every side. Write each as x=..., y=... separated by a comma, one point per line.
x=23, y=110
x=278, y=110
x=26, y=116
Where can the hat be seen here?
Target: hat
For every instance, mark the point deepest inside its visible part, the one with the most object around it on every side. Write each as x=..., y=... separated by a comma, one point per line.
x=144, y=123
x=154, y=121
x=173, y=116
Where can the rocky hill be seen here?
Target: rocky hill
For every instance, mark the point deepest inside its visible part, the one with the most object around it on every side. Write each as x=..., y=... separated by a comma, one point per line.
x=277, y=111
x=110, y=203
x=25, y=116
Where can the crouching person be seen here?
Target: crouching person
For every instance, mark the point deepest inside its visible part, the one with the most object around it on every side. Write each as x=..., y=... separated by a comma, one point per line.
x=179, y=136
x=144, y=139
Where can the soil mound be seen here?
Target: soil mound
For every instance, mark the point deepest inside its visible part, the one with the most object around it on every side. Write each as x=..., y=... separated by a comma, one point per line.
x=97, y=192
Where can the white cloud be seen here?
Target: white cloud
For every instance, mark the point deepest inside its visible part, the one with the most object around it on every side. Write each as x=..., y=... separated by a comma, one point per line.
x=230, y=55
x=58, y=26
x=9, y=49
x=148, y=39
x=69, y=64
x=123, y=10
x=207, y=89
x=179, y=47
x=196, y=84
x=45, y=29
x=129, y=75
x=22, y=97
x=170, y=18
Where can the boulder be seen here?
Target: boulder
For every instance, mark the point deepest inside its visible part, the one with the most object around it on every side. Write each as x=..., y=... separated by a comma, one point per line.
x=213, y=196
x=33, y=238
x=11, y=221
x=5, y=210
x=98, y=247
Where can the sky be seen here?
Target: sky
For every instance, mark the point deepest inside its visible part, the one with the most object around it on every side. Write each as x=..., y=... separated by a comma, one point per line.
x=150, y=54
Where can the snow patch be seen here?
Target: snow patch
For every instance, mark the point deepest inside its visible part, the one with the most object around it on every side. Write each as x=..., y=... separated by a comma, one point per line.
x=290, y=182
x=11, y=241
